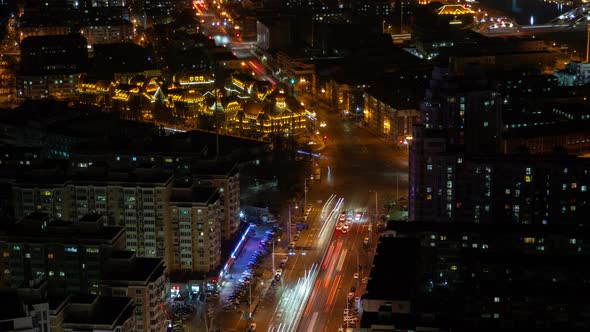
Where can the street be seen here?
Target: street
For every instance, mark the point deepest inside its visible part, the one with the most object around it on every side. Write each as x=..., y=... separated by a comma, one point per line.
x=323, y=276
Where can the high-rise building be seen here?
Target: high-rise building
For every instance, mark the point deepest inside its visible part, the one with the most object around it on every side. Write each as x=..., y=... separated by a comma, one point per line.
x=67, y=255
x=143, y=279
x=195, y=241
x=226, y=179
x=136, y=201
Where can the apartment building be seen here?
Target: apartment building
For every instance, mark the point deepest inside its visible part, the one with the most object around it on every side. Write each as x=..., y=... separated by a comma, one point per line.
x=67, y=255
x=134, y=200
x=195, y=230
x=226, y=178
x=144, y=280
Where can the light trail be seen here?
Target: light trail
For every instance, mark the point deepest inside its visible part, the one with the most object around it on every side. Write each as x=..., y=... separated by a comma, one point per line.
x=316, y=289
x=332, y=295
x=312, y=324
x=341, y=260
x=290, y=308
x=327, y=258
x=326, y=206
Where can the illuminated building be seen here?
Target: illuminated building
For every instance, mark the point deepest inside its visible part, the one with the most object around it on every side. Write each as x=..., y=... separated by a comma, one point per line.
x=477, y=277
x=390, y=113
x=226, y=178
x=195, y=232
x=130, y=200
x=103, y=32
x=50, y=66
x=68, y=255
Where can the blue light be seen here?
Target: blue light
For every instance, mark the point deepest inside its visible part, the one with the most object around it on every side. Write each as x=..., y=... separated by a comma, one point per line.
x=233, y=254
x=242, y=215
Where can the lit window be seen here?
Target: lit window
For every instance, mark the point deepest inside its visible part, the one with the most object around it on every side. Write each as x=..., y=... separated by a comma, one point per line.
x=496, y=299
x=50, y=256
x=529, y=240
x=429, y=167
x=6, y=254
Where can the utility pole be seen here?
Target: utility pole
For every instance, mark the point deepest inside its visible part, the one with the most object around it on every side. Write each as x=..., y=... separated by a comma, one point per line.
x=289, y=225
x=401, y=16
x=250, y=300
x=358, y=271
x=304, y=193
x=273, y=256
x=397, y=187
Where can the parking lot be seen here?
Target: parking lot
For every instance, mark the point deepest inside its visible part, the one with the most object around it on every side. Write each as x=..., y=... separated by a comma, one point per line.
x=251, y=276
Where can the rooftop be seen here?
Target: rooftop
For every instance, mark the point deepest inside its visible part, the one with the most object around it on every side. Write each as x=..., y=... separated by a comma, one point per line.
x=97, y=310
x=394, y=269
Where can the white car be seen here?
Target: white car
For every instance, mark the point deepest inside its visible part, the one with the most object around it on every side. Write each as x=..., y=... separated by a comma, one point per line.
x=356, y=275
x=279, y=272
x=358, y=216
x=322, y=124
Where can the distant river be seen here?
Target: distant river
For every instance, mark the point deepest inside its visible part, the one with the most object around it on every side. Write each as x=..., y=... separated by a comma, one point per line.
x=522, y=10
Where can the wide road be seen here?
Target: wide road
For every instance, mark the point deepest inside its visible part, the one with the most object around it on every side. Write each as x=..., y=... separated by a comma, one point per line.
x=361, y=168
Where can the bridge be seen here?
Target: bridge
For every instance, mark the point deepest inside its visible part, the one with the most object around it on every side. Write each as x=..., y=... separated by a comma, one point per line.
x=576, y=19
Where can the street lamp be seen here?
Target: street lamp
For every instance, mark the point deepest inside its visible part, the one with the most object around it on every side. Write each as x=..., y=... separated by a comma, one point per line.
x=305, y=193
x=250, y=300
x=289, y=225
x=376, y=215
x=273, y=255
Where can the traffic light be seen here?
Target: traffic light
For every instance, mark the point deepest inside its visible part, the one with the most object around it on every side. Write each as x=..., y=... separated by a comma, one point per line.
x=238, y=34
x=292, y=80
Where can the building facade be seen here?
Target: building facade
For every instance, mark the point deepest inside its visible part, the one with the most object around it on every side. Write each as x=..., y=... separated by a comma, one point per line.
x=195, y=232
x=134, y=201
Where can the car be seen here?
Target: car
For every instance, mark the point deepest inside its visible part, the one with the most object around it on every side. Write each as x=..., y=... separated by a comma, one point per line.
x=366, y=241
x=252, y=327
x=344, y=230
x=284, y=259
x=279, y=272
x=339, y=226
x=356, y=275
x=342, y=217
x=296, y=237
x=322, y=124
x=358, y=216
x=292, y=245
